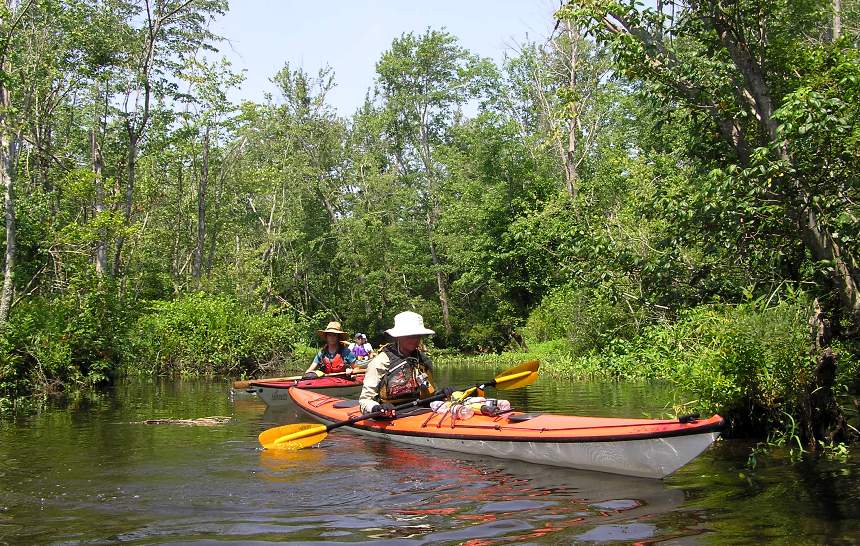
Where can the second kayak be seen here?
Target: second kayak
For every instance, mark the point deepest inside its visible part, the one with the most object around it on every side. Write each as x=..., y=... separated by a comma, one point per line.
x=274, y=393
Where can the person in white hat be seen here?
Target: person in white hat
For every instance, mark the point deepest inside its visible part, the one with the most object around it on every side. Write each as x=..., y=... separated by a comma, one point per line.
x=362, y=350
x=401, y=372
x=334, y=357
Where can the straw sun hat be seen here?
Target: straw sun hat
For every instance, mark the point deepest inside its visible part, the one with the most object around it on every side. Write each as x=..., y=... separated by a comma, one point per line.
x=333, y=328
x=408, y=323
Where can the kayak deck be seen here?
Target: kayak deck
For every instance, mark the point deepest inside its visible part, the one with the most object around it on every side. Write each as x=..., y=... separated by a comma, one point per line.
x=637, y=447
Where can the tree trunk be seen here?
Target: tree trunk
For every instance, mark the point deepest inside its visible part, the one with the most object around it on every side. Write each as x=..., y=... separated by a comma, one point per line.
x=201, y=211
x=7, y=166
x=130, y=171
x=440, y=279
x=837, y=19
x=817, y=239
x=821, y=417
x=570, y=164
x=99, y=206
x=8, y=149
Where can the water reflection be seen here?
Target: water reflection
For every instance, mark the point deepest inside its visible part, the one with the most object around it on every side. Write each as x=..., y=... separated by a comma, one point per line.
x=428, y=496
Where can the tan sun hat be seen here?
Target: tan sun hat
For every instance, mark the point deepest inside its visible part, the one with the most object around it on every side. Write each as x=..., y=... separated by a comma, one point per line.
x=333, y=328
x=408, y=323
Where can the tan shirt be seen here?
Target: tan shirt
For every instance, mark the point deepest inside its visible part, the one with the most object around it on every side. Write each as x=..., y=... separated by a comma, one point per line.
x=376, y=368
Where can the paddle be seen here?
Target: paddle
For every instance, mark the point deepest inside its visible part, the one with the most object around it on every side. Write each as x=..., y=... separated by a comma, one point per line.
x=241, y=385
x=301, y=435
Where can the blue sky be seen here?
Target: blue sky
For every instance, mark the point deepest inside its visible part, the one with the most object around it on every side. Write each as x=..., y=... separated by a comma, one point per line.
x=350, y=36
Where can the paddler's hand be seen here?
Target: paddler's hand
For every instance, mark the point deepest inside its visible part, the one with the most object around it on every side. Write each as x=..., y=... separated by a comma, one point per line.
x=310, y=375
x=349, y=371
x=387, y=409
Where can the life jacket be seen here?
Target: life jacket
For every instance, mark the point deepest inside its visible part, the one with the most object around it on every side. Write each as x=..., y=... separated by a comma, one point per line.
x=407, y=378
x=332, y=365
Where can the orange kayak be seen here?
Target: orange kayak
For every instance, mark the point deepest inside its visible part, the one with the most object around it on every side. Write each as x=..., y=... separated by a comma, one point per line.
x=274, y=393
x=652, y=448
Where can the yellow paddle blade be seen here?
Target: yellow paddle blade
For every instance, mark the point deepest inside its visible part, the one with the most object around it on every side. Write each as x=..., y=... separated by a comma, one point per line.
x=297, y=436
x=530, y=365
x=523, y=375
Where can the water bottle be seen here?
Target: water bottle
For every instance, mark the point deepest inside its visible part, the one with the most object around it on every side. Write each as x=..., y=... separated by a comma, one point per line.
x=439, y=406
x=460, y=411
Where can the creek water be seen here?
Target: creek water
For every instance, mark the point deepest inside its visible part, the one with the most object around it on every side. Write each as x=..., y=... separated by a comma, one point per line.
x=89, y=472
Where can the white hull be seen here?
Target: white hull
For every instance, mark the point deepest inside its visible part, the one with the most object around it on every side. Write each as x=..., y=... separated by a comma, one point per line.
x=647, y=458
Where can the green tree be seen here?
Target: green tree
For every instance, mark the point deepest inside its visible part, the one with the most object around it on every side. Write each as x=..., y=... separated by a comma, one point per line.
x=423, y=81
x=741, y=72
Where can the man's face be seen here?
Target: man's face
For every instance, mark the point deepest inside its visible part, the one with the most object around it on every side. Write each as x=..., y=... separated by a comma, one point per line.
x=332, y=339
x=408, y=343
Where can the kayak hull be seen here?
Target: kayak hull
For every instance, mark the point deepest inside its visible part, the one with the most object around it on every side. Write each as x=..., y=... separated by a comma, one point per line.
x=277, y=393
x=655, y=458
x=631, y=447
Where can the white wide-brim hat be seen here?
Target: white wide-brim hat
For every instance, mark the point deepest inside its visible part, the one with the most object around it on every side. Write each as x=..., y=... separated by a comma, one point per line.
x=408, y=323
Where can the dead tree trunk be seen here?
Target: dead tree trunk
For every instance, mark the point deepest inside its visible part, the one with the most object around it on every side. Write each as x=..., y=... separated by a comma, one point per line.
x=821, y=417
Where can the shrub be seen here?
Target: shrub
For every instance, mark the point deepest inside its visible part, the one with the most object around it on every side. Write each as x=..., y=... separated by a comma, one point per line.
x=208, y=334
x=587, y=318
x=53, y=345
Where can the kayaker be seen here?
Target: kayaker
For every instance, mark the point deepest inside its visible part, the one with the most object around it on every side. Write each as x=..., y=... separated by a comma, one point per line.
x=361, y=348
x=401, y=372
x=335, y=356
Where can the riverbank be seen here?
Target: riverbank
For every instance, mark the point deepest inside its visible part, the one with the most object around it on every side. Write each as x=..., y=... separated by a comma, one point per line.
x=750, y=362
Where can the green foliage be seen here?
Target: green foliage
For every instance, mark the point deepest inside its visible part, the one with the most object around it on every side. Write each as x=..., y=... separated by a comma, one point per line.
x=587, y=319
x=55, y=345
x=209, y=334
x=623, y=197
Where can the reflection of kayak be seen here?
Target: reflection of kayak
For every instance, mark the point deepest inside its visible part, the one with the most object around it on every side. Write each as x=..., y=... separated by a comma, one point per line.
x=275, y=392
x=649, y=448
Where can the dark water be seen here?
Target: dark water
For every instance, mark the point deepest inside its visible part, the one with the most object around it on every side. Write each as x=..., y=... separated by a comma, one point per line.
x=89, y=474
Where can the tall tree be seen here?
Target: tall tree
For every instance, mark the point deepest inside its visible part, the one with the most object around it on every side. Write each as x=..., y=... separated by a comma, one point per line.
x=742, y=64
x=172, y=30
x=423, y=81
x=10, y=137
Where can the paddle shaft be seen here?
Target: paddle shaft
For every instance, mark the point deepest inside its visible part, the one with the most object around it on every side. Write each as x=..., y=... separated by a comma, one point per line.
x=422, y=401
x=380, y=413
x=328, y=428
x=492, y=383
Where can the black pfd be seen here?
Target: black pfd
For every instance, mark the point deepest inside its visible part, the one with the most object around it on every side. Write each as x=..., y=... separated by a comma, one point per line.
x=407, y=378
